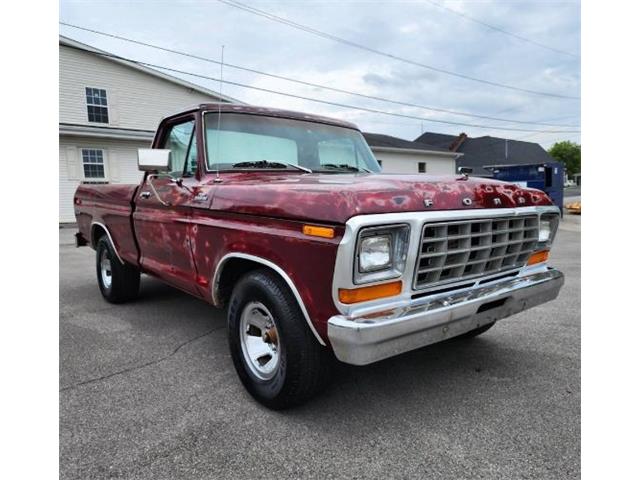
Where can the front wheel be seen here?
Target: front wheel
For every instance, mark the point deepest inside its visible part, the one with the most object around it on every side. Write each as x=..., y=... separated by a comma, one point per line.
x=278, y=359
x=118, y=282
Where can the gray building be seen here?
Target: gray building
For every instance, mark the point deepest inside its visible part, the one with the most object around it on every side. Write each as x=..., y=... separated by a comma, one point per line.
x=484, y=151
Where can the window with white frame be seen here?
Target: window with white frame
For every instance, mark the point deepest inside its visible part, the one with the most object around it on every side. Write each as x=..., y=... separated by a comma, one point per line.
x=97, y=109
x=422, y=167
x=93, y=165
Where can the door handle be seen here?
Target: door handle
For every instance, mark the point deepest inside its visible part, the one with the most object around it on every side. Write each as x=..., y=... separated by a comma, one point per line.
x=145, y=195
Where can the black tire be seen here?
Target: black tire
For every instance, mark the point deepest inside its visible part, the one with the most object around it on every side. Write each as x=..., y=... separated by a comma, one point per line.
x=475, y=332
x=301, y=366
x=124, y=283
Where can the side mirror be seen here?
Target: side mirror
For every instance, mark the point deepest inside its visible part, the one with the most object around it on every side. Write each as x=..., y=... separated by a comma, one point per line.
x=154, y=160
x=465, y=170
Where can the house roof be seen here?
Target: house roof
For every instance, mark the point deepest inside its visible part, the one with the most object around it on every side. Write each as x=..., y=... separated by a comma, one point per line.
x=437, y=139
x=487, y=150
x=69, y=42
x=378, y=141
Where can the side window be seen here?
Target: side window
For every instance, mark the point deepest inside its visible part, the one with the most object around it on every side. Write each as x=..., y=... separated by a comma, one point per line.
x=422, y=167
x=93, y=165
x=192, y=157
x=181, y=142
x=97, y=109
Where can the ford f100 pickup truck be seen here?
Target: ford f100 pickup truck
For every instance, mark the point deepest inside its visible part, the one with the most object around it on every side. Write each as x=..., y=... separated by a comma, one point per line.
x=286, y=220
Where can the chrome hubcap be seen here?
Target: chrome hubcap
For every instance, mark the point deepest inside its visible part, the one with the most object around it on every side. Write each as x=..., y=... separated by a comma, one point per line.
x=105, y=269
x=259, y=340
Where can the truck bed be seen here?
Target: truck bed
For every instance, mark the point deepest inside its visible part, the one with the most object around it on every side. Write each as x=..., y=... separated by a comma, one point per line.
x=100, y=208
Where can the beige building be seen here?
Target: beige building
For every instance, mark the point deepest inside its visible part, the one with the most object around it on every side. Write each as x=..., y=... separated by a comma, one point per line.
x=108, y=109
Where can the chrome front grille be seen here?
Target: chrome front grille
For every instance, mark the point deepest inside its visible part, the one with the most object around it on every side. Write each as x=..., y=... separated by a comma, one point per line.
x=457, y=251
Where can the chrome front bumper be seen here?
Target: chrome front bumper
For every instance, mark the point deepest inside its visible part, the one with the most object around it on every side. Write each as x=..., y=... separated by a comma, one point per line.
x=373, y=337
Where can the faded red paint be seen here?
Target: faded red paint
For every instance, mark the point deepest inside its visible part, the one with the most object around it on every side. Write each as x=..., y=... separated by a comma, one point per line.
x=109, y=205
x=262, y=213
x=337, y=197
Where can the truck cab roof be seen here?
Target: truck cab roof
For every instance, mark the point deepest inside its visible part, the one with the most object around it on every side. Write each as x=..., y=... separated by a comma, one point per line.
x=265, y=111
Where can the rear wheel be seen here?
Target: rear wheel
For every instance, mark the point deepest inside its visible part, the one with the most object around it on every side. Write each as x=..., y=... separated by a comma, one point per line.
x=118, y=282
x=278, y=359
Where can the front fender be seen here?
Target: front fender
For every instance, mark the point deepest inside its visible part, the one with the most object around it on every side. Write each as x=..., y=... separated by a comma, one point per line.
x=305, y=263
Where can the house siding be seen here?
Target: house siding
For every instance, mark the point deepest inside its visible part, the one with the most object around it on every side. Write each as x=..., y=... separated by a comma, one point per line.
x=136, y=100
x=401, y=162
x=120, y=159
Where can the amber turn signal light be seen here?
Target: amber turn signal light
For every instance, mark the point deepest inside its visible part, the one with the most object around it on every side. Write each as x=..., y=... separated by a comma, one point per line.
x=363, y=294
x=314, y=231
x=538, y=257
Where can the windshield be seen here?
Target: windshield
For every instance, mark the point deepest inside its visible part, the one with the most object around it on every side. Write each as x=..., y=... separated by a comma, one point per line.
x=254, y=141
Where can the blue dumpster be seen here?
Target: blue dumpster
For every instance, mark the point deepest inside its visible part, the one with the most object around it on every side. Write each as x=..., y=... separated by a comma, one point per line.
x=548, y=177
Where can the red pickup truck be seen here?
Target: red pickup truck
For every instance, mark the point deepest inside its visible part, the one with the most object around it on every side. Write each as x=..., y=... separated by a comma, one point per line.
x=285, y=219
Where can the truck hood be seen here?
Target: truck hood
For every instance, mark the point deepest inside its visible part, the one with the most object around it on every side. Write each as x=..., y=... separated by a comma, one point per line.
x=334, y=198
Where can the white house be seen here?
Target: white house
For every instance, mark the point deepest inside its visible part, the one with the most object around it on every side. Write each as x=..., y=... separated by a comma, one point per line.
x=396, y=155
x=108, y=109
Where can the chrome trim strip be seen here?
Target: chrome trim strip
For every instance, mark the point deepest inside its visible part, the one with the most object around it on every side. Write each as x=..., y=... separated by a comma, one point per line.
x=113, y=245
x=343, y=276
x=277, y=269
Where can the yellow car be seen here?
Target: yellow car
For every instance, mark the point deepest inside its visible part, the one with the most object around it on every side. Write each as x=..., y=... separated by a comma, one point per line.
x=574, y=207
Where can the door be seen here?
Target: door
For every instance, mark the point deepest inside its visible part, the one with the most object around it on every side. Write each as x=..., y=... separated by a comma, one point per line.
x=161, y=222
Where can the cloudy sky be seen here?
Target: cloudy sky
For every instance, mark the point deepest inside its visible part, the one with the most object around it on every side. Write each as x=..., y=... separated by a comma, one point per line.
x=449, y=35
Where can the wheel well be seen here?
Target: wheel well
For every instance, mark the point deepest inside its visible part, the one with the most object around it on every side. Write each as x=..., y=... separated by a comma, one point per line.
x=97, y=231
x=232, y=270
x=235, y=267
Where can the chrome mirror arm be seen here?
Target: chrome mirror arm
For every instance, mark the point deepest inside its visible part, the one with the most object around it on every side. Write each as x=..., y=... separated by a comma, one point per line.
x=176, y=181
x=153, y=188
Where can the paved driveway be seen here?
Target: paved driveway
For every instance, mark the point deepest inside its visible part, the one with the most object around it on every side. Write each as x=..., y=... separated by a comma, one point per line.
x=148, y=391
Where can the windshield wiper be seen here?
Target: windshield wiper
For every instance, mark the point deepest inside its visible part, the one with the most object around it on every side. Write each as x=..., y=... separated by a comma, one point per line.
x=299, y=167
x=344, y=166
x=269, y=164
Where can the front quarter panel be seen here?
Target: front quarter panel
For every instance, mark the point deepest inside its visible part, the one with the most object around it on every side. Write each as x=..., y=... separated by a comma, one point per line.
x=307, y=261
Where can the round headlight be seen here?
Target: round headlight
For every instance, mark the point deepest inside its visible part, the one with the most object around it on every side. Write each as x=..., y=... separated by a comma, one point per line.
x=375, y=253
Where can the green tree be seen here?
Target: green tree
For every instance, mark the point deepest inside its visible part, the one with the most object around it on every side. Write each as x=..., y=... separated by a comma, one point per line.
x=569, y=154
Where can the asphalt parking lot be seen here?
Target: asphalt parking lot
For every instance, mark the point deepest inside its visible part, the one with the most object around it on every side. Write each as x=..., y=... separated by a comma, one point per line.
x=148, y=391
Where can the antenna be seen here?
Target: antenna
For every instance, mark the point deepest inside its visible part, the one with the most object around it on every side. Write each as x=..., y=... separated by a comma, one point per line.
x=219, y=117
